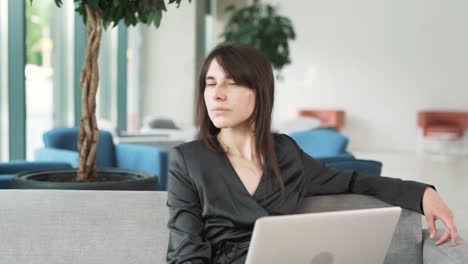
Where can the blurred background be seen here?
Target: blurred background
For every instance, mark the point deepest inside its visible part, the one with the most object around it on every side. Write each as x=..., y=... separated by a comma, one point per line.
x=389, y=76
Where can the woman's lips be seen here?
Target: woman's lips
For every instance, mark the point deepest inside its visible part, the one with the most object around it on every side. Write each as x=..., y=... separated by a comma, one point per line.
x=220, y=110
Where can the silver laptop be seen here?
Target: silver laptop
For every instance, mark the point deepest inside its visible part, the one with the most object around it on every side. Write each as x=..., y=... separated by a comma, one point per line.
x=356, y=236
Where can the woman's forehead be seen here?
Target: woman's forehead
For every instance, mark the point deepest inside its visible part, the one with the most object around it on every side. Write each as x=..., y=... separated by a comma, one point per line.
x=215, y=71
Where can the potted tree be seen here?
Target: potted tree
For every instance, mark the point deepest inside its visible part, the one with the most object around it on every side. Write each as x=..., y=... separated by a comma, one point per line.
x=97, y=14
x=261, y=26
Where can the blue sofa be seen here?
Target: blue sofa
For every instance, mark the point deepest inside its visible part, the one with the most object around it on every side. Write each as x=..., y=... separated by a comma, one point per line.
x=9, y=169
x=369, y=167
x=61, y=145
x=322, y=143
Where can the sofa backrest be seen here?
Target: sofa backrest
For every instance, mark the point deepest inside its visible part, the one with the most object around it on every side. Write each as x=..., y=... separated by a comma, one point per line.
x=67, y=138
x=65, y=226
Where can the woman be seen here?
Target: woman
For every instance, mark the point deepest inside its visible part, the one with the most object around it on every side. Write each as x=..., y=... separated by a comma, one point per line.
x=239, y=171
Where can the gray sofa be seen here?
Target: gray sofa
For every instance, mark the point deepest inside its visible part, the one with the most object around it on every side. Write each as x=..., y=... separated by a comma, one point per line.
x=63, y=226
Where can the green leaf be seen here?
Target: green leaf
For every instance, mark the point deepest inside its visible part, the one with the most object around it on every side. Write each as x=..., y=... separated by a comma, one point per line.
x=229, y=8
x=93, y=3
x=260, y=26
x=57, y=2
x=177, y=1
x=130, y=11
x=80, y=9
x=157, y=18
x=270, y=10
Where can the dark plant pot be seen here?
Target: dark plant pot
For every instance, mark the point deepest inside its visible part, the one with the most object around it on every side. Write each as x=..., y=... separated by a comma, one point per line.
x=107, y=179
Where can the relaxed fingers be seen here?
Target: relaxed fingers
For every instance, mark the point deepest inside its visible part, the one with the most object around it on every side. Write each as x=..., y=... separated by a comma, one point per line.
x=454, y=239
x=431, y=225
x=453, y=234
x=449, y=224
x=444, y=237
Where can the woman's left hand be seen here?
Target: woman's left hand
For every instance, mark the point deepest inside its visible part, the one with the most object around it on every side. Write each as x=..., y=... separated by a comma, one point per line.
x=435, y=208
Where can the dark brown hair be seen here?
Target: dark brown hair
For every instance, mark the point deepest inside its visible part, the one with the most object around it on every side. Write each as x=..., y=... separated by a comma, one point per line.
x=249, y=67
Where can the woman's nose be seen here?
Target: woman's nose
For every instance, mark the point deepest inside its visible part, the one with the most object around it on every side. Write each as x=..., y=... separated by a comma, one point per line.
x=219, y=94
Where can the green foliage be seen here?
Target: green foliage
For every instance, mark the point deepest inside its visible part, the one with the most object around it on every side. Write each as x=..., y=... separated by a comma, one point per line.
x=260, y=26
x=130, y=11
x=37, y=19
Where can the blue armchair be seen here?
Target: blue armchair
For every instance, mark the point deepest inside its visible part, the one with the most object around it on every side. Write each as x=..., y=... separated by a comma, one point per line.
x=369, y=167
x=322, y=143
x=9, y=169
x=61, y=145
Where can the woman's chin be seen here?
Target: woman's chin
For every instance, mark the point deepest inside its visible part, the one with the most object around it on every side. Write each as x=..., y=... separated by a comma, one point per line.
x=223, y=124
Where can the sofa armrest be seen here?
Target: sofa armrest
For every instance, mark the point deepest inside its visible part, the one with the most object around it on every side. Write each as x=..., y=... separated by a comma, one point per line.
x=148, y=159
x=54, y=154
x=406, y=245
x=445, y=253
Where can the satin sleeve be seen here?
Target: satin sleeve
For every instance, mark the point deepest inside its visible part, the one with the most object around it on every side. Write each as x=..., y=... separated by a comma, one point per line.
x=186, y=239
x=323, y=179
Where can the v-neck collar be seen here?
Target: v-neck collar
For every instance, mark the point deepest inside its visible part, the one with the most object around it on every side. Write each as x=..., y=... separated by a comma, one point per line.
x=237, y=179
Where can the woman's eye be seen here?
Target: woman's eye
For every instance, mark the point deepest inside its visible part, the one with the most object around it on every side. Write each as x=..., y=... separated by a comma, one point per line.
x=210, y=84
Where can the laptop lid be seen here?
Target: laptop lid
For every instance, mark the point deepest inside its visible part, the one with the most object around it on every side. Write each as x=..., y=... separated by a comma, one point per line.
x=355, y=236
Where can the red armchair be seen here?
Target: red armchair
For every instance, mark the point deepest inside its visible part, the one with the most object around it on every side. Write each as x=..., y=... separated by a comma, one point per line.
x=444, y=128
x=443, y=122
x=329, y=118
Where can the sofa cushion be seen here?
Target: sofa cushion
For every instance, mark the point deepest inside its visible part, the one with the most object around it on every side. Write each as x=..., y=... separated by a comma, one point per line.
x=444, y=253
x=320, y=143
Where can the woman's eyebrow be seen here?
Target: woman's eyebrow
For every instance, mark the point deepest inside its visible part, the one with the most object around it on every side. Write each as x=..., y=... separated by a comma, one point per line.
x=210, y=78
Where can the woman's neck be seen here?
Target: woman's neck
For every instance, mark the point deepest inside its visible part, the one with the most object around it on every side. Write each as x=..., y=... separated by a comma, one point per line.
x=238, y=142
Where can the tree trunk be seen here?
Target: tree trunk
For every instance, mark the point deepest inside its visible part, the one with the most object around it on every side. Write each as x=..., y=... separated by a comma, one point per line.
x=88, y=136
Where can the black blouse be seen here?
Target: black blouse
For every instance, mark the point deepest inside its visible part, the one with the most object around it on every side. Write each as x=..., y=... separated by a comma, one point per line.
x=212, y=214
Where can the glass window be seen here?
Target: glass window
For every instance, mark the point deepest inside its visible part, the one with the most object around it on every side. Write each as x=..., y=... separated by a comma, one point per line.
x=106, y=101
x=48, y=70
x=3, y=81
x=134, y=79
x=209, y=20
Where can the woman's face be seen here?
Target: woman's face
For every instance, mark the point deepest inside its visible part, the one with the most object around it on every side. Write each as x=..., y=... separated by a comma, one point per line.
x=229, y=105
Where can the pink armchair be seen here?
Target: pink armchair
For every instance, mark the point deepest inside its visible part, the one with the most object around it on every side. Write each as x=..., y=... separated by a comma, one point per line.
x=329, y=118
x=443, y=122
x=445, y=129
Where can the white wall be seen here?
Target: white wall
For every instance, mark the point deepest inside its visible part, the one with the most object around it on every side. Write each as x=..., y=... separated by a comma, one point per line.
x=168, y=66
x=380, y=60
